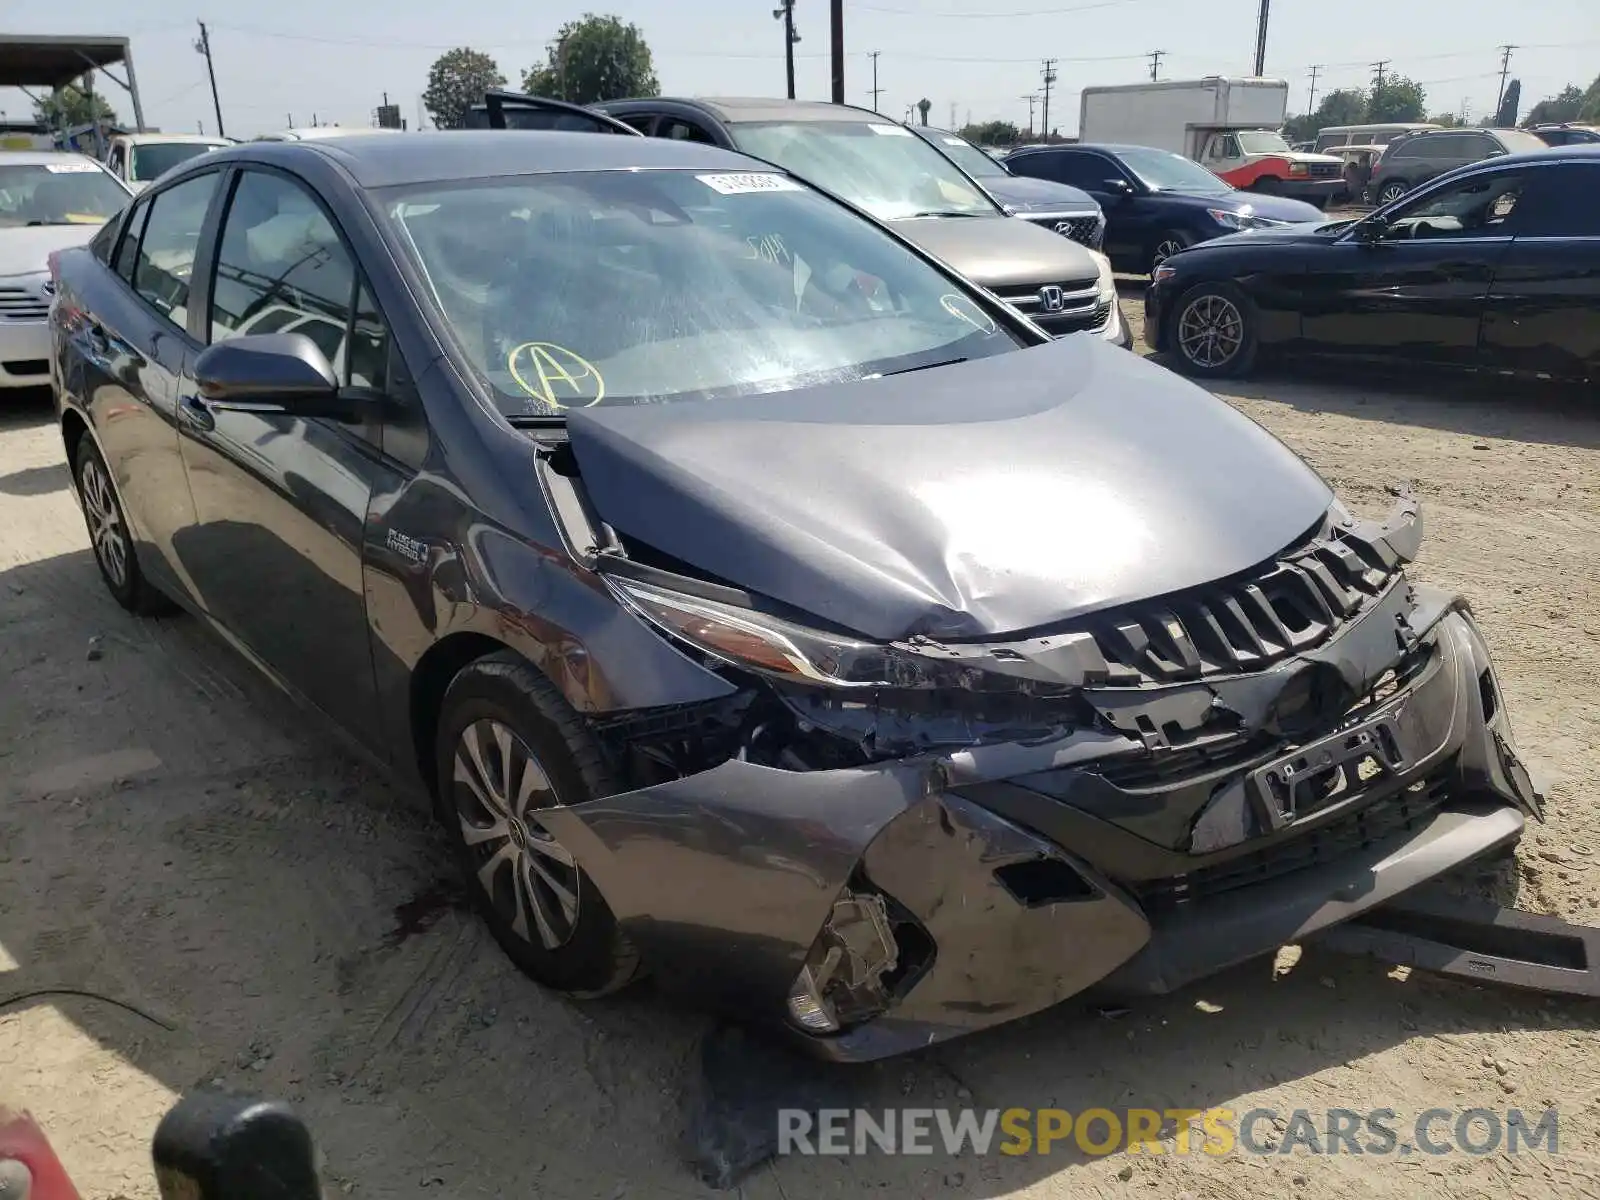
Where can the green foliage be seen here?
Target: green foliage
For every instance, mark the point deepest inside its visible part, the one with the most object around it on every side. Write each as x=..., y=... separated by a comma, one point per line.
x=73, y=104
x=991, y=133
x=456, y=81
x=595, y=58
x=1563, y=106
x=1399, y=99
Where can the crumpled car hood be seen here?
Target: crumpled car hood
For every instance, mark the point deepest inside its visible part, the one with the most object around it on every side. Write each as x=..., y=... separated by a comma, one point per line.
x=987, y=497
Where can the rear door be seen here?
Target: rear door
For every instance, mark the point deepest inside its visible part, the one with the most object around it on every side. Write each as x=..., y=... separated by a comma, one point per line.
x=1089, y=171
x=280, y=499
x=135, y=351
x=1420, y=291
x=1542, y=308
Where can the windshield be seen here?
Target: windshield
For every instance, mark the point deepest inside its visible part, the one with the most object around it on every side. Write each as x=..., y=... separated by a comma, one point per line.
x=885, y=169
x=154, y=159
x=623, y=287
x=969, y=158
x=1163, y=171
x=1262, y=141
x=71, y=192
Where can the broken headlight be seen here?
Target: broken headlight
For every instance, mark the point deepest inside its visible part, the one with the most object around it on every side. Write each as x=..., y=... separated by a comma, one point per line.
x=769, y=645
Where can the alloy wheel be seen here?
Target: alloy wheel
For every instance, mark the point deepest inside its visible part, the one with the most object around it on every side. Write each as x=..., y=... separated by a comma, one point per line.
x=1165, y=249
x=1210, y=331
x=529, y=877
x=105, y=521
x=1391, y=193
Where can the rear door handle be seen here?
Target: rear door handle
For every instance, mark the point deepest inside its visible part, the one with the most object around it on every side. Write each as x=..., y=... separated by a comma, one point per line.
x=195, y=413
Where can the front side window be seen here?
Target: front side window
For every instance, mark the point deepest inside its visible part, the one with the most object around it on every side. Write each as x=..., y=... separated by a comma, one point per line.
x=622, y=287
x=969, y=158
x=678, y=130
x=154, y=159
x=883, y=168
x=1484, y=206
x=283, y=268
x=74, y=191
x=171, y=242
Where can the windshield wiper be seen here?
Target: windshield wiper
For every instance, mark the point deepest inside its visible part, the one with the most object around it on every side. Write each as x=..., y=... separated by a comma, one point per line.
x=947, y=212
x=534, y=421
x=948, y=362
x=32, y=224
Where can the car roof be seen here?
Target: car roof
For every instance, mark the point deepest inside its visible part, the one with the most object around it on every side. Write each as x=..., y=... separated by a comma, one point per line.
x=41, y=158
x=736, y=110
x=187, y=139
x=438, y=156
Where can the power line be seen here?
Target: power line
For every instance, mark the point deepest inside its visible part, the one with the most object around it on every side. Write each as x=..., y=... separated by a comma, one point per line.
x=1505, y=69
x=1049, y=77
x=1155, y=63
x=992, y=16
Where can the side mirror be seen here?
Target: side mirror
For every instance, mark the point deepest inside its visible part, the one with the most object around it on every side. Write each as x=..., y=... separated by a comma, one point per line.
x=1371, y=230
x=266, y=371
x=1119, y=187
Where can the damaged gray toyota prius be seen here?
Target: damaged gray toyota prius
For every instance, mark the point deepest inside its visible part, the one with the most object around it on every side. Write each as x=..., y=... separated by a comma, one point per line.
x=765, y=606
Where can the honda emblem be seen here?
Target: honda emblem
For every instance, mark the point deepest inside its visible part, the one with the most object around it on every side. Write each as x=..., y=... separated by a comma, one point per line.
x=1050, y=299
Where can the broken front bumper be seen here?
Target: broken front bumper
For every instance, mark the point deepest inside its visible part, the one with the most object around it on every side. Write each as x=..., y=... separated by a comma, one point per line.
x=1009, y=896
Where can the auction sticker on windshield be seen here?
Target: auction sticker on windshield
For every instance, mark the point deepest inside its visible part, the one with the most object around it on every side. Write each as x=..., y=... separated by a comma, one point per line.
x=890, y=130
x=739, y=184
x=71, y=168
x=556, y=375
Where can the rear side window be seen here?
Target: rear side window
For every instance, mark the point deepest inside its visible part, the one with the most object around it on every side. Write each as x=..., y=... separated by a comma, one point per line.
x=1563, y=205
x=170, y=244
x=128, y=249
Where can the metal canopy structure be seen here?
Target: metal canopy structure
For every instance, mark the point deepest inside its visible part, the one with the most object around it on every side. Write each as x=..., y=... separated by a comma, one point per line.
x=51, y=62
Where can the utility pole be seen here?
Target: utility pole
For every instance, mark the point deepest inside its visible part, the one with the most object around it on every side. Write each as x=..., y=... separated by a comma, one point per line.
x=1049, y=77
x=1378, y=69
x=785, y=13
x=952, y=114
x=1032, y=98
x=876, y=90
x=1505, y=69
x=1311, y=100
x=836, y=37
x=203, y=45
x=1155, y=63
x=1261, y=38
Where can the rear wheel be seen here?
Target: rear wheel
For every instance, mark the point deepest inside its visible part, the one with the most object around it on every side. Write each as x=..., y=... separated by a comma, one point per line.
x=1270, y=185
x=1392, y=191
x=1213, y=331
x=1169, y=243
x=510, y=751
x=111, y=538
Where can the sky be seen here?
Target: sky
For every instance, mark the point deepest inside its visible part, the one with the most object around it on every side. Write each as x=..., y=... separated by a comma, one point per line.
x=333, y=60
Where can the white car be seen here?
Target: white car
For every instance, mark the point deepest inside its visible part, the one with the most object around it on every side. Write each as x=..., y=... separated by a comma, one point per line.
x=139, y=158
x=48, y=201
x=312, y=132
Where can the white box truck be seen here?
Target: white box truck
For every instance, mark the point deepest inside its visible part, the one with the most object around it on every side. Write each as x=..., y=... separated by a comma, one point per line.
x=1227, y=125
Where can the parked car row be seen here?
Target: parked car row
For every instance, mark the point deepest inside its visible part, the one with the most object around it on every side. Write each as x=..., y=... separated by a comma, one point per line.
x=755, y=599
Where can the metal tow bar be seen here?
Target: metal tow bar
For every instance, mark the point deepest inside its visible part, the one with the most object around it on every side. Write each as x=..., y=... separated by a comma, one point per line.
x=1475, y=939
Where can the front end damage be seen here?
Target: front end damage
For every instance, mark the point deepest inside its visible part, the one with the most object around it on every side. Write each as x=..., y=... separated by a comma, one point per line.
x=880, y=846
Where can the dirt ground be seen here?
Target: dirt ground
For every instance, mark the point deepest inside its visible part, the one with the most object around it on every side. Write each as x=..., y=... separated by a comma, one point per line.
x=197, y=884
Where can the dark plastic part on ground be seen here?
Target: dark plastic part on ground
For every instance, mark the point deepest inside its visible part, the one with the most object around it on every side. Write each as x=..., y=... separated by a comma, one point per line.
x=216, y=1146
x=735, y=1097
x=1478, y=940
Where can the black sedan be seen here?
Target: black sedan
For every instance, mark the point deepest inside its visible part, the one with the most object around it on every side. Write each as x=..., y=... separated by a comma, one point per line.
x=1156, y=203
x=1494, y=265
x=761, y=603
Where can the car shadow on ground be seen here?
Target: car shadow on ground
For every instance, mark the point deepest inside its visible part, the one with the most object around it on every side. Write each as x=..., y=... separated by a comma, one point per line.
x=1477, y=405
x=36, y=481
x=21, y=408
x=199, y=880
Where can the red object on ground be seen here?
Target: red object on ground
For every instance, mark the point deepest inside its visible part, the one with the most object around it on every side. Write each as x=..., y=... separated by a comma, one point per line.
x=22, y=1139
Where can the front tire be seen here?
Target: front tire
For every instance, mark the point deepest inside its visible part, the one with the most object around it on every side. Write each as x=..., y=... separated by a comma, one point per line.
x=508, y=747
x=1271, y=185
x=1392, y=191
x=1213, y=331
x=1167, y=244
x=110, y=537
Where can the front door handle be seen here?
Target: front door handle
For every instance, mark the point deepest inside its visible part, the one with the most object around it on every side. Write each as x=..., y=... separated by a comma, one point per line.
x=195, y=413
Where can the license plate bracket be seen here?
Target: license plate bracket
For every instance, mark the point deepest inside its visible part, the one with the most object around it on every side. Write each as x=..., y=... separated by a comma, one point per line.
x=1328, y=770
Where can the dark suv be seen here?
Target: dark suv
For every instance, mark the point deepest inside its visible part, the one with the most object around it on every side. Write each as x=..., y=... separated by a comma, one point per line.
x=1429, y=154
x=1566, y=134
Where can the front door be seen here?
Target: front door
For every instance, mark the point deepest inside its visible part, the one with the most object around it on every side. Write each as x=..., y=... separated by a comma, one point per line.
x=1542, y=308
x=1419, y=289
x=281, y=500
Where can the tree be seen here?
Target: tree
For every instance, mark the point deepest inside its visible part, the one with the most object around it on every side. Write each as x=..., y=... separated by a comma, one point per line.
x=991, y=133
x=1447, y=120
x=1399, y=99
x=72, y=104
x=1563, y=106
x=595, y=58
x=456, y=81
x=1505, y=117
x=1590, y=109
x=1344, y=106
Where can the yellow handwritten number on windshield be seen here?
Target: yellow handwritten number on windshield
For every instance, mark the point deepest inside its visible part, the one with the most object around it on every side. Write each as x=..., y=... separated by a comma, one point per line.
x=556, y=375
